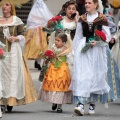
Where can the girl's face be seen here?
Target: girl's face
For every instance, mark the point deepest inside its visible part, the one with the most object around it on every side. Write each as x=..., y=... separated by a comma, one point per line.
x=59, y=43
x=71, y=9
x=6, y=8
x=90, y=6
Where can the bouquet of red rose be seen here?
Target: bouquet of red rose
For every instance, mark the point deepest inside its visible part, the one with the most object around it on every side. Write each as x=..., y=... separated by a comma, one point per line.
x=53, y=24
x=98, y=35
x=48, y=56
x=1, y=54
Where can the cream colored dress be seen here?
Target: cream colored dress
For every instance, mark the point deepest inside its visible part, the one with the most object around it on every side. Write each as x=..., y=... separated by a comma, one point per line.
x=17, y=84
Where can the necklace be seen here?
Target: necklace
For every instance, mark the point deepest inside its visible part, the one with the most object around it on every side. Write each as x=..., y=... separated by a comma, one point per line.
x=6, y=18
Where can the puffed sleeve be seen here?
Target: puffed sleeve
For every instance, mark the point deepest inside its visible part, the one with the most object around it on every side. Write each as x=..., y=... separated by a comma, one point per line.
x=20, y=31
x=78, y=35
x=106, y=30
x=70, y=61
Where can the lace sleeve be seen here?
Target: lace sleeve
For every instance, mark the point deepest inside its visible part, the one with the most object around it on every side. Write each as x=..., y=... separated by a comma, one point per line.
x=70, y=58
x=78, y=35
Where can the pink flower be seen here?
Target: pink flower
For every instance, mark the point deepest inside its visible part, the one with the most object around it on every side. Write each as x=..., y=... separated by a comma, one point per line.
x=1, y=52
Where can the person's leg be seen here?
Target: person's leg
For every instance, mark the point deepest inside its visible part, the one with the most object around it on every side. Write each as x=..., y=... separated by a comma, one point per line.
x=37, y=64
x=79, y=109
x=91, y=108
x=54, y=106
x=59, y=109
x=92, y=100
x=0, y=112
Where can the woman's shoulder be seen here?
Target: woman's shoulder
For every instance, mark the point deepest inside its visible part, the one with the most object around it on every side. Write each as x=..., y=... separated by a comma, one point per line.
x=83, y=18
x=17, y=19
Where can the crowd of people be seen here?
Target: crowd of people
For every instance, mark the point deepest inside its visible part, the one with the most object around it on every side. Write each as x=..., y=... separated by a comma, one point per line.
x=79, y=49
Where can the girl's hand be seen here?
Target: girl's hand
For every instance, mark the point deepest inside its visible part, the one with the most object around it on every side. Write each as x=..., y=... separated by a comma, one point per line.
x=93, y=43
x=13, y=39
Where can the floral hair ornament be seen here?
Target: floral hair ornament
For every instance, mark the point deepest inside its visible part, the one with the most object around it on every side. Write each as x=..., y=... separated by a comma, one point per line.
x=14, y=3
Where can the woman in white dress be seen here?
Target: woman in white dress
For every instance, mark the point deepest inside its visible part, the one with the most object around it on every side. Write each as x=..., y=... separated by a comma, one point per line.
x=89, y=68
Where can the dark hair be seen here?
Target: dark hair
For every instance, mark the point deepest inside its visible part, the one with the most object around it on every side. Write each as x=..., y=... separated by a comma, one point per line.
x=62, y=36
x=68, y=3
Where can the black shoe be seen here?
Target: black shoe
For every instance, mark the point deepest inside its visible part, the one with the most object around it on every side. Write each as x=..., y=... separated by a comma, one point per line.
x=39, y=67
x=59, y=110
x=54, y=106
x=36, y=65
x=9, y=108
x=3, y=108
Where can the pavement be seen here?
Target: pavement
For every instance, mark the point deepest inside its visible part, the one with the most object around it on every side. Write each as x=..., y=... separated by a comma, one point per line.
x=42, y=111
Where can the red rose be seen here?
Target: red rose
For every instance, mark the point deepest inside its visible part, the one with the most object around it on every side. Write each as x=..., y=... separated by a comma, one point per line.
x=1, y=52
x=49, y=54
x=53, y=19
x=58, y=17
x=100, y=34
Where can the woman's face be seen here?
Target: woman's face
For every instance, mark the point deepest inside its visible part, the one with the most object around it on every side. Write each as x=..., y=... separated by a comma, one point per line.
x=71, y=9
x=59, y=43
x=90, y=6
x=6, y=8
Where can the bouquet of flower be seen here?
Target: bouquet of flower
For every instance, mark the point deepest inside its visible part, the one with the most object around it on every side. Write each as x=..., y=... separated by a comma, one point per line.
x=98, y=35
x=1, y=54
x=48, y=55
x=53, y=24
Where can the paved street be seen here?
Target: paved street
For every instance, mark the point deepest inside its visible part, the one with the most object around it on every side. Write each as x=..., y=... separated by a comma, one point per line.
x=42, y=111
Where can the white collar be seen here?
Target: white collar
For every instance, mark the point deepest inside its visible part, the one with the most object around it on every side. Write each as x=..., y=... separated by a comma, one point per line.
x=16, y=21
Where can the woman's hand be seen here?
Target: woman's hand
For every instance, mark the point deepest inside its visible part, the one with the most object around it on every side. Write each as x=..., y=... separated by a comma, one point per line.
x=112, y=40
x=13, y=39
x=93, y=43
x=77, y=16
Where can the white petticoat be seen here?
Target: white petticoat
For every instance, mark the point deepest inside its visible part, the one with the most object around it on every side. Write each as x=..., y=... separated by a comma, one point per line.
x=89, y=71
x=12, y=73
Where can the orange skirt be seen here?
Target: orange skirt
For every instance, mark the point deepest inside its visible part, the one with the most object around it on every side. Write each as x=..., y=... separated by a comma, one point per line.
x=57, y=79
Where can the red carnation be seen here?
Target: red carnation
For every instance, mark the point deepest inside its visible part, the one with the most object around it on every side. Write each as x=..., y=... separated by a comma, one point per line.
x=53, y=19
x=49, y=54
x=58, y=18
x=1, y=52
x=100, y=34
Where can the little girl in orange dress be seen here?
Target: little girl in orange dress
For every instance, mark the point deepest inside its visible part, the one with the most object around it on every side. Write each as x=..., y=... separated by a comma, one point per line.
x=57, y=78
